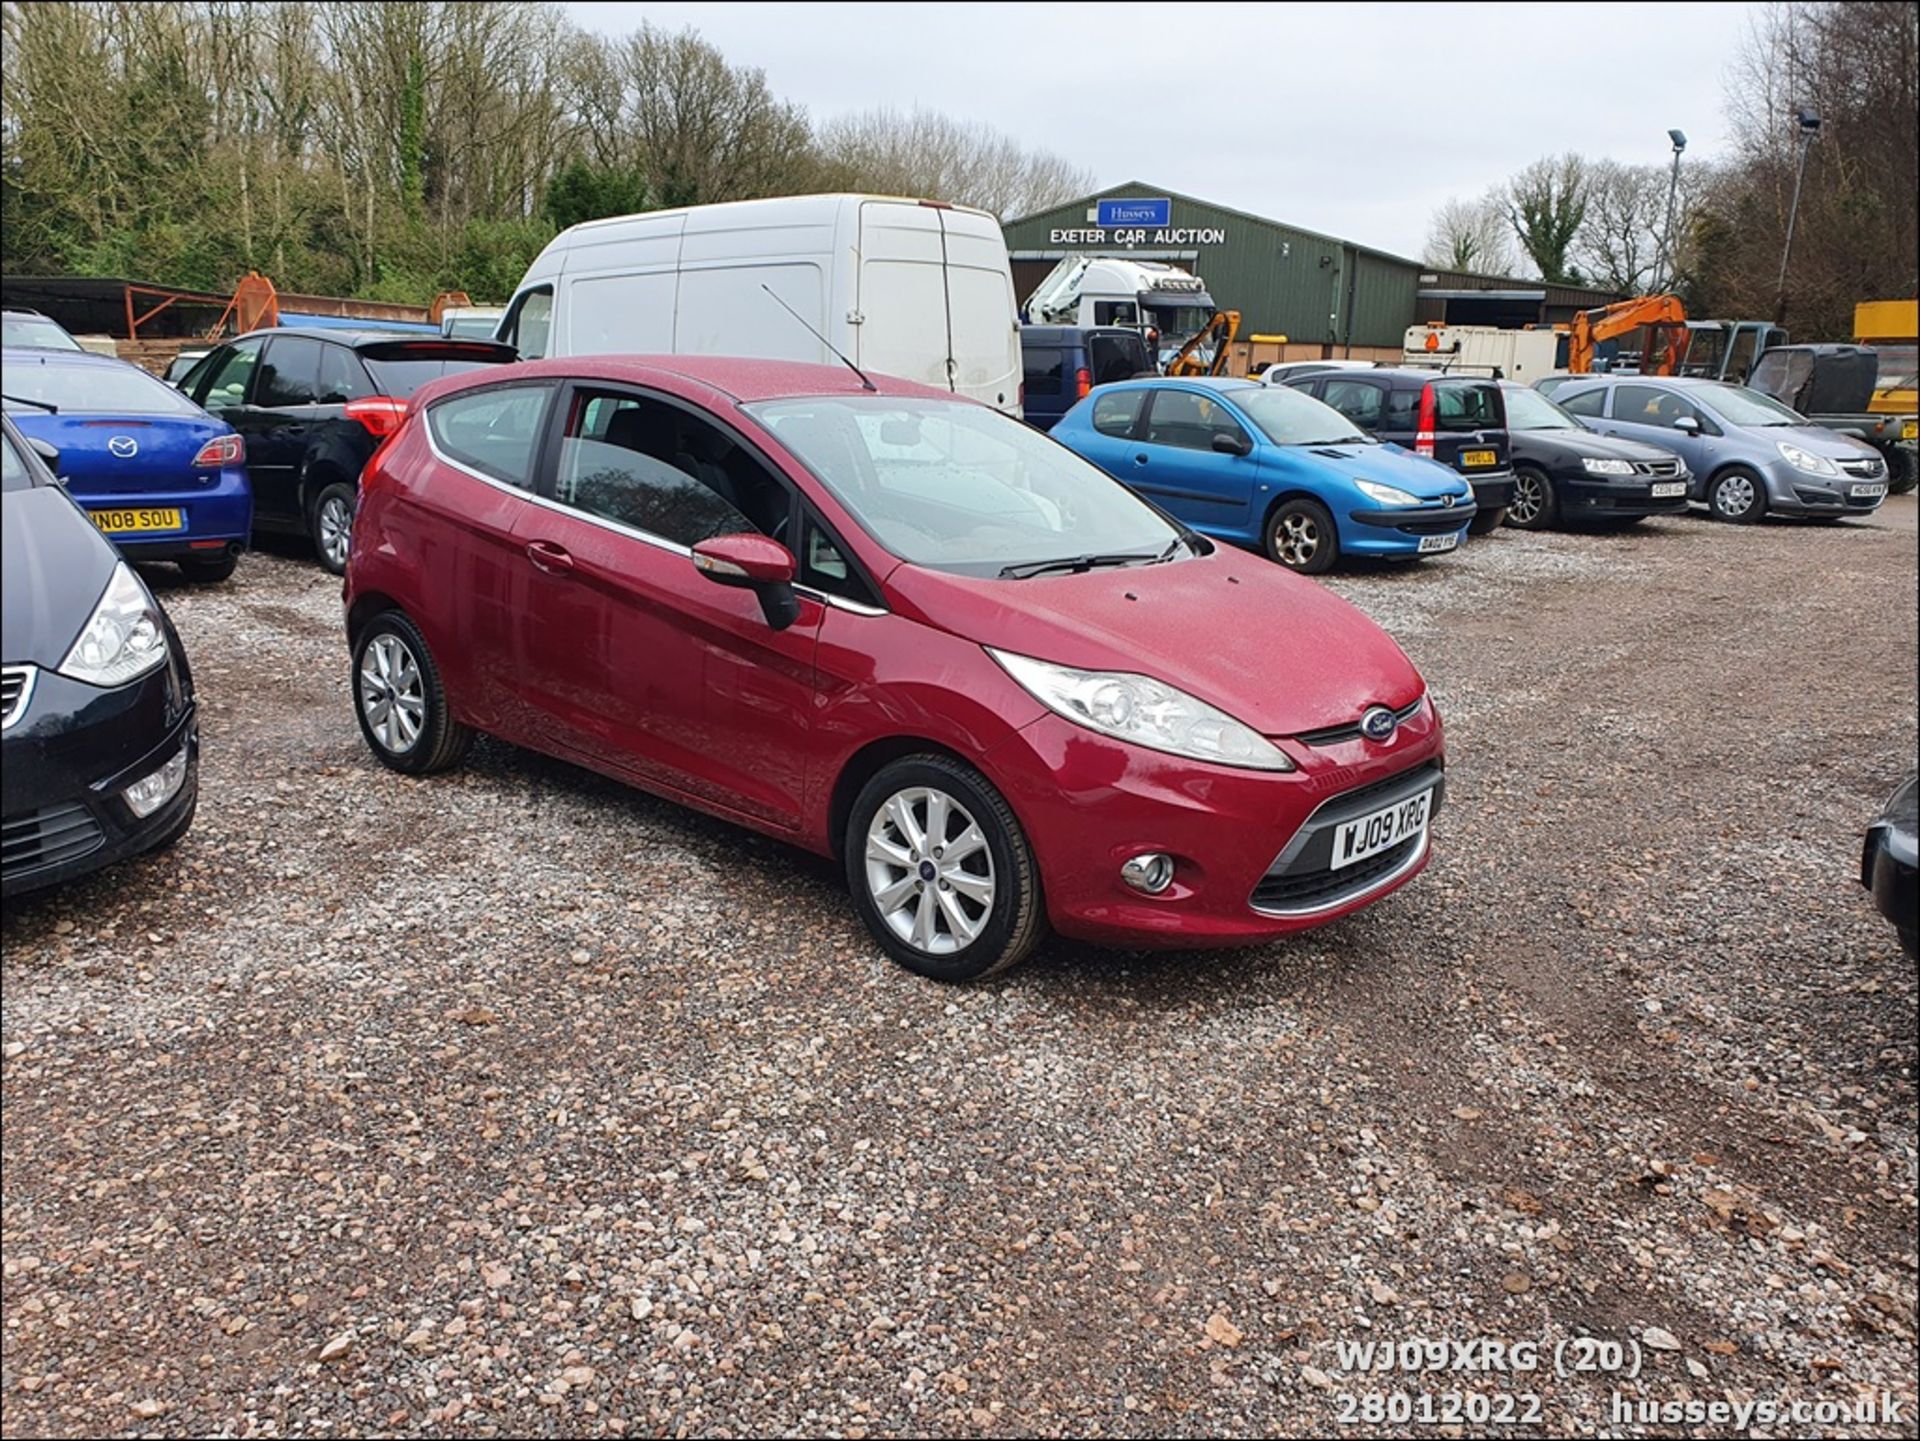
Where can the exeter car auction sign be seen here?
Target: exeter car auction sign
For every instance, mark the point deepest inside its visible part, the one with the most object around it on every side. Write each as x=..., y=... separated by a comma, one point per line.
x=1135, y=222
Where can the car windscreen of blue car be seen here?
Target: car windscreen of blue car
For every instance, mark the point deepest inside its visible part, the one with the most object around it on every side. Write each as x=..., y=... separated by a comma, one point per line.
x=162, y=478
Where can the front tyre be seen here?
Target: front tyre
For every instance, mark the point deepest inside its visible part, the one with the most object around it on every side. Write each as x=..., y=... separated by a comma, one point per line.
x=941, y=871
x=1300, y=536
x=1487, y=520
x=1738, y=496
x=401, y=701
x=1534, y=505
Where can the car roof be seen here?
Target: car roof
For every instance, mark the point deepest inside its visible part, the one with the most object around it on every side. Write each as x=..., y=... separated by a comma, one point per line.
x=46, y=355
x=1226, y=383
x=740, y=379
x=1416, y=374
x=357, y=338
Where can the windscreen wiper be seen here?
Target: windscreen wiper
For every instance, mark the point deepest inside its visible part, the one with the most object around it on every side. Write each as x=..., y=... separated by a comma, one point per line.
x=36, y=404
x=1079, y=563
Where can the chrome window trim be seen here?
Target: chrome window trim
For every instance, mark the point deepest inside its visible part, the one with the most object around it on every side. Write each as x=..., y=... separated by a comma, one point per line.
x=659, y=542
x=28, y=674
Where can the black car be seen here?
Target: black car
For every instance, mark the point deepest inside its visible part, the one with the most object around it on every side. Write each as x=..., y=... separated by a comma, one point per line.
x=1459, y=420
x=1887, y=862
x=1563, y=472
x=1063, y=362
x=99, y=750
x=313, y=405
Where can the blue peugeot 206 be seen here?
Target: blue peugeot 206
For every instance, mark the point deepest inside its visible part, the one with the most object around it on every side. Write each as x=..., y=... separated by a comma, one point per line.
x=1269, y=468
x=160, y=477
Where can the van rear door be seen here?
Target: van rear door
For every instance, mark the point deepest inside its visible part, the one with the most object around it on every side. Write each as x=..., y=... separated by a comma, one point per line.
x=936, y=301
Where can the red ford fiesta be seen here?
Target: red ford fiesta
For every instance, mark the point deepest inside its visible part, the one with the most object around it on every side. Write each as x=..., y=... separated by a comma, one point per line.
x=894, y=626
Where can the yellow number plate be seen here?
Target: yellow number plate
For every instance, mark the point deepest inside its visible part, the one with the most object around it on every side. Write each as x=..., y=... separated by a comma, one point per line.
x=1906, y=429
x=119, y=522
x=1479, y=457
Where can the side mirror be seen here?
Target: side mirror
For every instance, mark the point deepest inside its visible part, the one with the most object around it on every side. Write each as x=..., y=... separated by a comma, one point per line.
x=1687, y=425
x=753, y=562
x=1230, y=444
x=49, y=455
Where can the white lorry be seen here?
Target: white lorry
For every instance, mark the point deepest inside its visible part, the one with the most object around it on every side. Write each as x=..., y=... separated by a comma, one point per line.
x=1518, y=355
x=911, y=288
x=1143, y=295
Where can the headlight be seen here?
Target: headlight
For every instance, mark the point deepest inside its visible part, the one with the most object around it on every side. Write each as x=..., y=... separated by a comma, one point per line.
x=1385, y=494
x=1806, y=460
x=1144, y=711
x=1606, y=467
x=123, y=638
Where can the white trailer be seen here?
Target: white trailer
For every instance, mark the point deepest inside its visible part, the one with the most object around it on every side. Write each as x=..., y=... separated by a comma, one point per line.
x=1518, y=355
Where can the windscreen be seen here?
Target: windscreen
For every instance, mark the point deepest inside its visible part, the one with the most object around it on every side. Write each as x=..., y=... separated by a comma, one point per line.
x=1738, y=405
x=1292, y=417
x=109, y=388
x=962, y=487
x=1530, y=410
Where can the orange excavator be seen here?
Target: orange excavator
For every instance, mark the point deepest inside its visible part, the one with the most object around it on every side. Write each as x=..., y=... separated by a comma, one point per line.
x=1191, y=359
x=1663, y=314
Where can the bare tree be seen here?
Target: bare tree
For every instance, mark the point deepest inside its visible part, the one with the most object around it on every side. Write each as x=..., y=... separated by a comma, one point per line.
x=928, y=154
x=1470, y=235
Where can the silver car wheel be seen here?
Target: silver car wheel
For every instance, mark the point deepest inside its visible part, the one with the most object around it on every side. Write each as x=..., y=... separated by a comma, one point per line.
x=929, y=870
x=1733, y=496
x=392, y=694
x=335, y=529
x=1299, y=538
x=1527, y=500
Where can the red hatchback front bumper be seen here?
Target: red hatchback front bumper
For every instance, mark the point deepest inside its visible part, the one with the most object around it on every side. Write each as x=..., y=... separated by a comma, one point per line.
x=1250, y=848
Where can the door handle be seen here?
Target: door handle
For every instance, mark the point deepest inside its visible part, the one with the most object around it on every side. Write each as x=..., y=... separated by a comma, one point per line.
x=1140, y=460
x=551, y=558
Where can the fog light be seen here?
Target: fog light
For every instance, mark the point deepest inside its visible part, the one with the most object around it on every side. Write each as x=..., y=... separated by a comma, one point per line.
x=1151, y=873
x=144, y=797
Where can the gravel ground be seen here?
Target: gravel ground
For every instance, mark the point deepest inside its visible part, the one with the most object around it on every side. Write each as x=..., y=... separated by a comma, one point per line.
x=515, y=1102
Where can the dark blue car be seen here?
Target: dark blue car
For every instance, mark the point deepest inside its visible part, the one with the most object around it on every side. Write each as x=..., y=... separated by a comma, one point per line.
x=1271, y=468
x=159, y=476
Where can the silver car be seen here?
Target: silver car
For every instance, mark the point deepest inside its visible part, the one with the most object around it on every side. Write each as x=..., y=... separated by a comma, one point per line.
x=1749, y=454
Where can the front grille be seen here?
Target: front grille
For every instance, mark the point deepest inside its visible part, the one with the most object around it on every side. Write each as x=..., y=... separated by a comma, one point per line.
x=1871, y=468
x=1815, y=497
x=1446, y=525
x=1657, y=469
x=1334, y=735
x=1319, y=888
x=48, y=837
x=16, y=688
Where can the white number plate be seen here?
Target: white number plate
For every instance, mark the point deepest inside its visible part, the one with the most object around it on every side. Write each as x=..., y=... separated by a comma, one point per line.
x=1867, y=492
x=1431, y=543
x=1666, y=489
x=1368, y=836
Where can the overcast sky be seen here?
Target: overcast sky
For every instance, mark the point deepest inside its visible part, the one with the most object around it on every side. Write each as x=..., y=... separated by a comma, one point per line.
x=1350, y=119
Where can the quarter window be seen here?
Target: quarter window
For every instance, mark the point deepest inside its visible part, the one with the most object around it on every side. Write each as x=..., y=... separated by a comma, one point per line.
x=495, y=431
x=1115, y=411
x=342, y=376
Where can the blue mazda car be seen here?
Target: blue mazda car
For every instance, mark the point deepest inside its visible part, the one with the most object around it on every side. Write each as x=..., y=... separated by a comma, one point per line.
x=1269, y=468
x=161, y=478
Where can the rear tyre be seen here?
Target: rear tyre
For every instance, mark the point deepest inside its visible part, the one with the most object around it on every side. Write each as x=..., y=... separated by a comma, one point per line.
x=1737, y=496
x=401, y=701
x=1899, y=469
x=1487, y=520
x=1535, y=506
x=1300, y=536
x=330, y=523
x=941, y=871
x=207, y=572
x=1910, y=943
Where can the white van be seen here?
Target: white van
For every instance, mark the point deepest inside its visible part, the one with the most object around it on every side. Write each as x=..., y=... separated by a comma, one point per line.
x=911, y=288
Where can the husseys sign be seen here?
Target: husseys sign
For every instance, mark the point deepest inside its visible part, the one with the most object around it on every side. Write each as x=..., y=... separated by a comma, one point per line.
x=1136, y=222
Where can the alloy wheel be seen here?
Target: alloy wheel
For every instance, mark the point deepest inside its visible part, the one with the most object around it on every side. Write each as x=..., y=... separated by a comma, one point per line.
x=1527, y=500
x=1299, y=538
x=929, y=870
x=392, y=693
x=335, y=530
